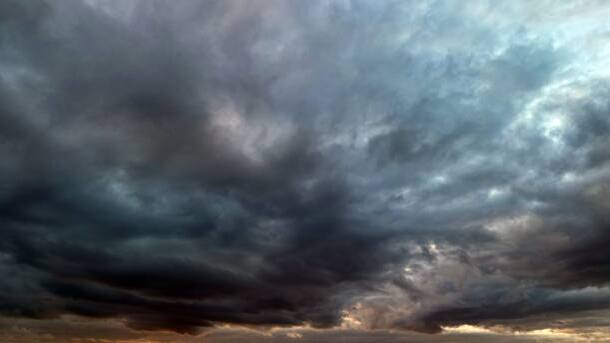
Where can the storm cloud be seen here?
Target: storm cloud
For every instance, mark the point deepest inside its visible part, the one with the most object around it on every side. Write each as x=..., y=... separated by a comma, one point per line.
x=334, y=166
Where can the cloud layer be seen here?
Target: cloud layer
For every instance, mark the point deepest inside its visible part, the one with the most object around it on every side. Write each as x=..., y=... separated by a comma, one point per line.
x=345, y=164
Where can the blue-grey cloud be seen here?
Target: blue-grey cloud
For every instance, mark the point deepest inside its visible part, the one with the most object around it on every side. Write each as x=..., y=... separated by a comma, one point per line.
x=354, y=164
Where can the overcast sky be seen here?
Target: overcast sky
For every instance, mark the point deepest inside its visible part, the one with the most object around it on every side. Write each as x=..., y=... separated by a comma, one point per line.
x=281, y=171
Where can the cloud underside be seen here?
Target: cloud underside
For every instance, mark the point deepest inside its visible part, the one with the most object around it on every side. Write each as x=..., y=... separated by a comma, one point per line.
x=350, y=164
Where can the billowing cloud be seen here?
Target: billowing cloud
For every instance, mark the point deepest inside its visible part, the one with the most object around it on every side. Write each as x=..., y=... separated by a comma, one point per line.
x=336, y=166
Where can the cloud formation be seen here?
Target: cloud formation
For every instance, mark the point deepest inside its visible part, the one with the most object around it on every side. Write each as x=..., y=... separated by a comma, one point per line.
x=349, y=164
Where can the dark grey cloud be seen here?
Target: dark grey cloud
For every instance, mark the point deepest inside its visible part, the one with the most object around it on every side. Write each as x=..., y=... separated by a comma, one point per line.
x=356, y=164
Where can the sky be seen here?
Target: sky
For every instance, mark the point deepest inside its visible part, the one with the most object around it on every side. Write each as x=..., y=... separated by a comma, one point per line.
x=278, y=171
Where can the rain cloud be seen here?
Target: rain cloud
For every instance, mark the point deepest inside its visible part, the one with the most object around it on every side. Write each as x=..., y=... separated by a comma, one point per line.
x=320, y=165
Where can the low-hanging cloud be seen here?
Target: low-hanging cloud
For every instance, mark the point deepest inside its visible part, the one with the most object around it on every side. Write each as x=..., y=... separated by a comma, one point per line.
x=359, y=164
